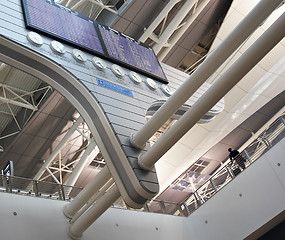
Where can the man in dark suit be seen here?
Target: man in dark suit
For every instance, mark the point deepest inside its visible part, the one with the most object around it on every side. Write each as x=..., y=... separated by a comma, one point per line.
x=234, y=155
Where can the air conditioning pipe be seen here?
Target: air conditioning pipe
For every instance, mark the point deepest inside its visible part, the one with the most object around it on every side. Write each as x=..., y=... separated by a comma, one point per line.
x=228, y=80
x=259, y=13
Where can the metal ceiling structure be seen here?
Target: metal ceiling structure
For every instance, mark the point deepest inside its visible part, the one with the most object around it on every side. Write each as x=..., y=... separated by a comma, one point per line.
x=91, y=9
x=180, y=32
x=16, y=95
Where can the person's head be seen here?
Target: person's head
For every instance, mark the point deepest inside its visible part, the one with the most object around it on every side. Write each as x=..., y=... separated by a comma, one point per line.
x=229, y=149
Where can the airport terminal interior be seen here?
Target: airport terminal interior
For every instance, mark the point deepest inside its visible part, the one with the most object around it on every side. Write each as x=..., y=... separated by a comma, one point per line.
x=48, y=138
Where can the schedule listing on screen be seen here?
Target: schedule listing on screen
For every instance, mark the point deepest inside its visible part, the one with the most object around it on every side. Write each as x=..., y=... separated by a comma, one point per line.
x=61, y=23
x=127, y=50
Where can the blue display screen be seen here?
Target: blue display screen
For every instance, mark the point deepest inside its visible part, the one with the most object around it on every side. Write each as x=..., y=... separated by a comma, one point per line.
x=63, y=23
x=129, y=51
x=59, y=22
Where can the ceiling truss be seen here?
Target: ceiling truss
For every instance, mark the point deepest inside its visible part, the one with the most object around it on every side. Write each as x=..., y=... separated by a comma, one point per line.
x=90, y=8
x=170, y=34
x=71, y=165
x=12, y=99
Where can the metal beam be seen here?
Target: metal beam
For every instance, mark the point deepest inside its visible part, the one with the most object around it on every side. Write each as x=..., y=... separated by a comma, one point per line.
x=178, y=34
x=53, y=177
x=173, y=25
x=162, y=15
x=62, y=143
x=78, y=4
x=17, y=103
x=81, y=164
x=102, y=6
x=17, y=98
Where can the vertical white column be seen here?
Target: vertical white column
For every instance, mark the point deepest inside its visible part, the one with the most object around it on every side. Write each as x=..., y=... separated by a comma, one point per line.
x=259, y=13
x=58, y=148
x=227, y=81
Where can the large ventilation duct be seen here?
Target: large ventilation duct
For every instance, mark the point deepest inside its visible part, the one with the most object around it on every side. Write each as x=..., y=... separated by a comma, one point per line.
x=228, y=80
x=251, y=22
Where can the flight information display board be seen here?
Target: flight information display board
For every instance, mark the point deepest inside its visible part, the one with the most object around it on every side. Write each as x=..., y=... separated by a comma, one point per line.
x=128, y=51
x=59, y=22
x=62, y=23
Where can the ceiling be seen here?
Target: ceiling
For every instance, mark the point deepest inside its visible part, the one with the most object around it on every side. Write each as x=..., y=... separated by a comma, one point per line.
x=134, y=17
x=196, y=40
x=219, y=152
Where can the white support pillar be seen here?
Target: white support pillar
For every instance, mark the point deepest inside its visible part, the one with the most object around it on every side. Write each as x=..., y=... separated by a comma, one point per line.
x=81, y=224
x=163, y=14
x=173, y=25
x=92, y=200
x=90, y=189
x=81, y=164
x=162, y=54
x=227, y=81
x=64, y=140
x=259, y=13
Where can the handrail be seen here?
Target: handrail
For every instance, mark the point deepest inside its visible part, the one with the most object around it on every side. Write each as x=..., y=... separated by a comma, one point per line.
x=55, y=191
x=50, y=190
x=266, y=140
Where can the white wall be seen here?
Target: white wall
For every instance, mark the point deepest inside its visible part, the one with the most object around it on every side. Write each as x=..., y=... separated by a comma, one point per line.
x=42, y=219
x=259, y=86
x=245, y=204
x=227, y=215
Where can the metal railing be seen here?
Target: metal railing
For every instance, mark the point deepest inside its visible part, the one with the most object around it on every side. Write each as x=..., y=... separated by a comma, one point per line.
x=223, y=176
x=50, y=190
x=156, y=206
x=30, y=187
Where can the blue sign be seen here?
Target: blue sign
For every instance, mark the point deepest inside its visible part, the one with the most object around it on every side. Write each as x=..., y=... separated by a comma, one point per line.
x=114, y=87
